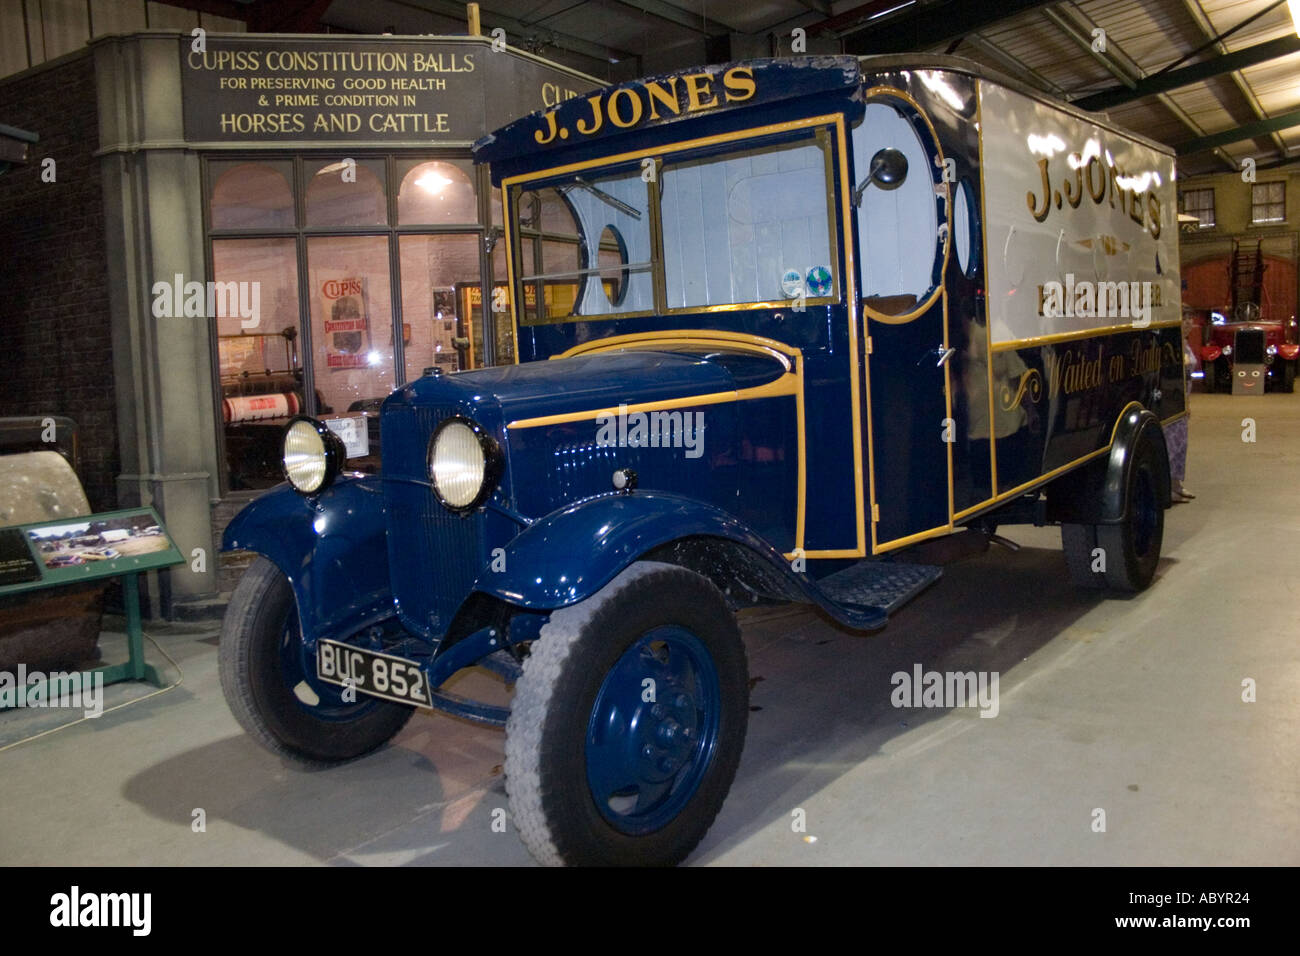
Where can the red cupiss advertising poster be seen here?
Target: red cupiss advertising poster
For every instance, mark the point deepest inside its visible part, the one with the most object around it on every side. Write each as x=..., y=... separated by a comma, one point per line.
x=343, y=303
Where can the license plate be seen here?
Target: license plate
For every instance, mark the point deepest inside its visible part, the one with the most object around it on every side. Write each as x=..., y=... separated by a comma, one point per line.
x=372, y=673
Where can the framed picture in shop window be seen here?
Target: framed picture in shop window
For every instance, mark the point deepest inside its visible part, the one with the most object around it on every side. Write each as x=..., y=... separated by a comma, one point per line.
x=446, y=327
x=347, y=322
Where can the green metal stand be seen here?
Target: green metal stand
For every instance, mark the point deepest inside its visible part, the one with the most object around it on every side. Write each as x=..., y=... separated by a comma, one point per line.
x=134, y=668
x=152, y=550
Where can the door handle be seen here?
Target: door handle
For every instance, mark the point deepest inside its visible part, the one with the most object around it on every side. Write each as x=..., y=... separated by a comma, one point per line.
x=938, y=352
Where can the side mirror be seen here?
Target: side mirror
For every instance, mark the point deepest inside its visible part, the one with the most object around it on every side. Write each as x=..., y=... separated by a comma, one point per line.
x=888, y=171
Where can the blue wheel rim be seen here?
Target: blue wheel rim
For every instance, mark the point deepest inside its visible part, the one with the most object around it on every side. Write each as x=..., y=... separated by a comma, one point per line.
x=646, y=759
x=298, y=665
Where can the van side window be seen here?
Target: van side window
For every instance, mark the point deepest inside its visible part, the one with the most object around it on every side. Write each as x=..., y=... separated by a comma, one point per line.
x=965, y=235
x=586, y=248
x=749, y=226
x=898, y=228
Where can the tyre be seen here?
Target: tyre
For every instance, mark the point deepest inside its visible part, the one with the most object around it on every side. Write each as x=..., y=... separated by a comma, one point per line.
x=269, y=679
x=597, y=772
x=1079, y=542
x=1287, y=377
x=1133, y=546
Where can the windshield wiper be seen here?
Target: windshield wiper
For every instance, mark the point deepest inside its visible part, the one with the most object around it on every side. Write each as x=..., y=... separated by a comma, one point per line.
x=604, y=197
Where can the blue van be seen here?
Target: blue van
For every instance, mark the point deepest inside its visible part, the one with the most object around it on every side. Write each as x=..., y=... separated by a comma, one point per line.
x=775, y=322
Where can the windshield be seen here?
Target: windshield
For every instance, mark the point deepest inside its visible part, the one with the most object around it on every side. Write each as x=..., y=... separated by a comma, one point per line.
x=752, y=225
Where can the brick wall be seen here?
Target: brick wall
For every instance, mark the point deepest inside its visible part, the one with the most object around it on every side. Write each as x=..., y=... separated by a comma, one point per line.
x=54, y=316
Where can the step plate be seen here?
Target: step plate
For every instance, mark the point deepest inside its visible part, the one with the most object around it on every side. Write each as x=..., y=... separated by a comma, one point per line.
x=880, y=584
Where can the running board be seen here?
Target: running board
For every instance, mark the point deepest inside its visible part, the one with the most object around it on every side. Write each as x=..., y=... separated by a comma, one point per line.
x=867, y=593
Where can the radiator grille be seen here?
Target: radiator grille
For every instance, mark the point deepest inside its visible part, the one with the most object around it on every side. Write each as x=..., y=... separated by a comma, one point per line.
x=433, y=555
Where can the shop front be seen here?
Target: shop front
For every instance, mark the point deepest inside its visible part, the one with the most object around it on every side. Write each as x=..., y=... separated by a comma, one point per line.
x=294, y=226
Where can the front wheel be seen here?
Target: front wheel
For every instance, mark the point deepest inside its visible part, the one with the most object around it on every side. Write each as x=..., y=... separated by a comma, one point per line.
x=269, y=679
x=628, y=722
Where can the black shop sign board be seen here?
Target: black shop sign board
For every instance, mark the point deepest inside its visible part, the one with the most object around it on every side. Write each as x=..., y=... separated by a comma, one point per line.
x=370, y=90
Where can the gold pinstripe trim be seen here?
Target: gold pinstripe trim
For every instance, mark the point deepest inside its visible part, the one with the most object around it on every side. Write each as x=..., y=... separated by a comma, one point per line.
x=1082, y=334
x=785, y=385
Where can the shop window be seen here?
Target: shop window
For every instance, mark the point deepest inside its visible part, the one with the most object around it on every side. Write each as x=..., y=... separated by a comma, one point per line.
x=1267, y=203
x=339, y=324
x=738, y=227
x=258, y=353
x=348, y=193
x=441, y=296
x=499, y=308
x=251, y=195
x=351, y=320
x=437, y=193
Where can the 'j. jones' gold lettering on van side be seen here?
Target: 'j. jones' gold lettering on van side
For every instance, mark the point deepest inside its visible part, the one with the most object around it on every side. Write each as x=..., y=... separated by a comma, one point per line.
x=628, y=106
x=1099, y=181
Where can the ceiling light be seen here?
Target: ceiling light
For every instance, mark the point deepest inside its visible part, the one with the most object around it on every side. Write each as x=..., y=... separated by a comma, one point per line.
x=433, y=182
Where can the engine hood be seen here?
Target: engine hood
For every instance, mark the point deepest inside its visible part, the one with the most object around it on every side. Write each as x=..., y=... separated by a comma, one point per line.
x=513, y=393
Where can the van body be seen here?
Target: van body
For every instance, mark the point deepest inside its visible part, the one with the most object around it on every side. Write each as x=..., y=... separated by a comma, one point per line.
x=775, y=323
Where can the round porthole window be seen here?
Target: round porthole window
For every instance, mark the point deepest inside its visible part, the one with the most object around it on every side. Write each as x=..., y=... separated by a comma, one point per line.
x=612, y=256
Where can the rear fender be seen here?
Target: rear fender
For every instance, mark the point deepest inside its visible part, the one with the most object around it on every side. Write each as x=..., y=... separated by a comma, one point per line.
x=331, y=547
x=1095, y=493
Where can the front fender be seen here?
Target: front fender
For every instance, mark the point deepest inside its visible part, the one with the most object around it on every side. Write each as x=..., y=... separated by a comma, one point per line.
x=332, y=547
x=572, y=553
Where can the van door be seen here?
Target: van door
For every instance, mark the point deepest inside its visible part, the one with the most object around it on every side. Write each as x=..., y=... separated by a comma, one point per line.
x=902, y=242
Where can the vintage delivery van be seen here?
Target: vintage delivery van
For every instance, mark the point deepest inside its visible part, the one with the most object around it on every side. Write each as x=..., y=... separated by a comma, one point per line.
x=776, y=321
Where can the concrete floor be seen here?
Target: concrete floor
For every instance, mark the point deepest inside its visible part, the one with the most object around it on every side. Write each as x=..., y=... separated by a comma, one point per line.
x=1131, y=706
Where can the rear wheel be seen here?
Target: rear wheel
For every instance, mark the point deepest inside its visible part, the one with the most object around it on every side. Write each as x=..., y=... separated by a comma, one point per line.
x=1080, y=543
x=269, y=679
x=1133, y=546
x=628, y=722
